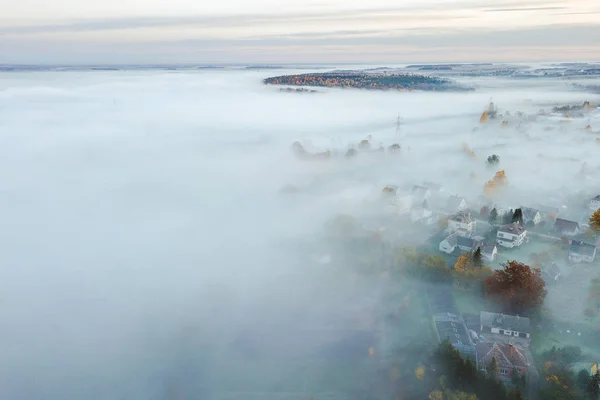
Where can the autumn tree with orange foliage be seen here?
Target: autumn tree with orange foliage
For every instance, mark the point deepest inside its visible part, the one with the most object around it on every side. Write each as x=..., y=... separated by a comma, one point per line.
x=517, y=288
x=595, y=220
x=499, y=181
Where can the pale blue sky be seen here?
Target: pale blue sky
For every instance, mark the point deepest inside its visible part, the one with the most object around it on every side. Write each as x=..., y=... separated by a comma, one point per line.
x=250, y=31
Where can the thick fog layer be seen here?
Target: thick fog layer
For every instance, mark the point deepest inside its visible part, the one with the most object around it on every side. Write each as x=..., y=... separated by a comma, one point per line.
x=147, y=252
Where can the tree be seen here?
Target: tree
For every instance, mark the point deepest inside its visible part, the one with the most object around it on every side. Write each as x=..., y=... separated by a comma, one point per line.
x=492, y=369
x=517, y=288
x=493, y=216
x=507, y=218
x=462, y=263
x=583, y=378
x=518, y=216
x=493, y=160
x=477, y=258
x=595, y=220
x=593, y=387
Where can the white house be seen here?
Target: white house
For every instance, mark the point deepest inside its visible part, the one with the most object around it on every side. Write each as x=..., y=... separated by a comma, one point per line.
x=420, y=193
x=489, y=252
x=420, y=214
x=531, y=216
x=449, y=244
x=566, y=227
x=508, y=325
x=595, y=203
x=511, y=235
x=582, y=252
x=462, y=223
x=456, y=203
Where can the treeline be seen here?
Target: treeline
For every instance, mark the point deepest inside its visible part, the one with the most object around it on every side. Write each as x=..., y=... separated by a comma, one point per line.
x=367, y=81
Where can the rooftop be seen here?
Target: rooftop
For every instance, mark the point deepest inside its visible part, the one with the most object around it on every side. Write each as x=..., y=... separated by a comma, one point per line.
x=471, y=243
x=503, y=321
x=514, y=229
x=582, y=248
x=452, y=327
x=565, y=225
x=463, y=217
x=506, y=355
x=529, y=213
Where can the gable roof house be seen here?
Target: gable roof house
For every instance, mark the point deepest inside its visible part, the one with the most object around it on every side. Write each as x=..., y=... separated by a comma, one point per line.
x=420, y=193
x=566, y=227
x=468, y=244
x=456, y=203
x=582, y=252
x=489, y=252
x=551, y=273
x=449, y=244
x=511, y=235
x=531, y=216
x=507, y=325
x=508, y=358
x=462, y=222
x=595, y=203
x=452, y=327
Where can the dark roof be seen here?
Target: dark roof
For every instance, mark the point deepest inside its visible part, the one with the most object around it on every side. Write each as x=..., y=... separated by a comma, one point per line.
x=514, y=229
x=488, y=248
x=529, y=213
x=551, y=272
x=452, y=239
x=565, y=225
x=582, y=248
x=503, y=321
x=463, y=241
x=452, y=327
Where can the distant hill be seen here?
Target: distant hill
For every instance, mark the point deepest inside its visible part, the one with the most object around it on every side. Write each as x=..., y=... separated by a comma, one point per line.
x=361, y=80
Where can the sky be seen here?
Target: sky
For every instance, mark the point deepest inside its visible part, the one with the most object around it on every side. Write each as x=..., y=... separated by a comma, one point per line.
x=297, y=31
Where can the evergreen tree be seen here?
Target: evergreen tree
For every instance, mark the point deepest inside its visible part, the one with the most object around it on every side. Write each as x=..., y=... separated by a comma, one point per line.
x=492, y=369
x=593, y=387
x=518, y=216
x=477, y=258
x=508, y=217
x=493, y=218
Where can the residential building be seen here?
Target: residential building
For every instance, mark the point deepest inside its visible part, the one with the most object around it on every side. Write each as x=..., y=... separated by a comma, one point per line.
x=566, y=227
x=551, y=273
x=420, y=213
x=508, y=358
x=456, y=203
x=489, y=252
x=511, y=235
x=433, y=187
x=468, y=244
x=582, y=252
x=508, y=325
x=462, y=222
x=531, y=216
x=449, y=244
x=451, y=327
x=595, y=203
x=420, y=193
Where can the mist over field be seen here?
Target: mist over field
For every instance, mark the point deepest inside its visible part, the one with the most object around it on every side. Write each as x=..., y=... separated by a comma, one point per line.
x=148, y=253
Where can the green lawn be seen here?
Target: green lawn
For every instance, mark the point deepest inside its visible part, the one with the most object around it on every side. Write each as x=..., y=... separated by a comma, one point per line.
x=524, y=253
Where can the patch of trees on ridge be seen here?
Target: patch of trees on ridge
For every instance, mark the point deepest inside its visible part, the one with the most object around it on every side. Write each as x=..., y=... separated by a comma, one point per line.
x=368, y=81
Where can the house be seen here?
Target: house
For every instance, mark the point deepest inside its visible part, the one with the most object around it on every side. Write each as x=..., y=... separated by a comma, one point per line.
x=595, y=203
x=456, y=203
x=551, y=273
x=566, y=227
x=420, y=193
x=462, y=222
x=420, y=213
x=507, y=325
x=451, y=327
x=511, y=235
x=508, y=358
x=449, y=244
x=468, y=244
x=549, y=213
x=582, y=252
x=531, y=216
x=433, y=187
x=489, y=252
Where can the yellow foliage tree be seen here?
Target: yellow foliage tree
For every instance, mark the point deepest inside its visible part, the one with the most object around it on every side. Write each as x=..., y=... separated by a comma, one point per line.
x=371, y=352
x=484, y=118
x=595, y=220
x=420, y=372
x=462, y=263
